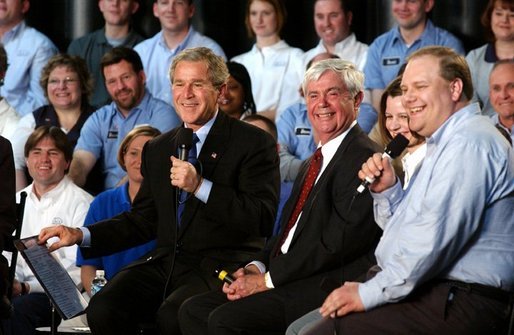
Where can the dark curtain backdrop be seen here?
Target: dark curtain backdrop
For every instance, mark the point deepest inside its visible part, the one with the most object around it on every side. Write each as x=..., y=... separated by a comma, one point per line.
x=223, y=20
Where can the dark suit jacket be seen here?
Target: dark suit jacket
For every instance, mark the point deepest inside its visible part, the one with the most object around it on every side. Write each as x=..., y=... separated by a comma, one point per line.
x=7, y=193
x=329, y=234
x=241, y=161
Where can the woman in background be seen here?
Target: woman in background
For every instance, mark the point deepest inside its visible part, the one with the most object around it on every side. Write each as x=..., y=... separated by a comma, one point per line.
x=238, y=99
x=115, y=201
x=393, y=119
x=275, y=68
x=67, y=85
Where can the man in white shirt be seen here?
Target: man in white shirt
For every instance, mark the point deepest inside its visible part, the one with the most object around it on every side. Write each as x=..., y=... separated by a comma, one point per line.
x=501, y=96
x=52, y=199
x=332, y=21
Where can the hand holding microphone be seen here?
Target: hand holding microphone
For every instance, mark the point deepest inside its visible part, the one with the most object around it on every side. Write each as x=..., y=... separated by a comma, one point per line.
x=379, y=165
x=183, y=174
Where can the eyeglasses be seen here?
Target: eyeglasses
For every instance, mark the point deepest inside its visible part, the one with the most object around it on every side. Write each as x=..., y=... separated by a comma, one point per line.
x=66, y=82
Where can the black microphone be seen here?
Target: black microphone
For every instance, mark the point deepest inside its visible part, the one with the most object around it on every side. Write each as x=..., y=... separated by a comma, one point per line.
x=185, y=141
x=392, y=150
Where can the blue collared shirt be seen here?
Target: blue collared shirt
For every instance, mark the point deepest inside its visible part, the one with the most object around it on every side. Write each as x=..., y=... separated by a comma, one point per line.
x=387, y=53
x=104, y=130
x=28, y=51
x=157, y=58
x=455, y=220
x=295, y=139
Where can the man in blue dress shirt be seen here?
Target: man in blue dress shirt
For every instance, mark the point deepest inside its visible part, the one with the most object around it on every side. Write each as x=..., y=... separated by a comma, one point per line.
x=446, y=258
x=176, y=34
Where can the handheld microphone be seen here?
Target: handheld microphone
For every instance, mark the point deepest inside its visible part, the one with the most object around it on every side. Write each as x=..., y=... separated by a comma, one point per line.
x=223, y=276
x=185, y=141
x=392, y=150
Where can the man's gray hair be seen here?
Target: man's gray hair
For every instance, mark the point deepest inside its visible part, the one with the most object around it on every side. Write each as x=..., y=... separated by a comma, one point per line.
x=350, y=75
x=217, y=69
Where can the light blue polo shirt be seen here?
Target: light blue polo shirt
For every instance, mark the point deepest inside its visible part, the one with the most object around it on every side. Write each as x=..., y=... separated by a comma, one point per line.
x=105, y=129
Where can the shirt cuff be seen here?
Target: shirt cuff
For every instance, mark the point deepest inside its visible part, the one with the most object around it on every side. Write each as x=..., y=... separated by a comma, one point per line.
x=259, y=265
x=86, y=237
x=204, y=191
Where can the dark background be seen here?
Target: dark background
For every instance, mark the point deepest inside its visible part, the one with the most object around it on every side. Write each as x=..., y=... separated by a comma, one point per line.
x=223, y=20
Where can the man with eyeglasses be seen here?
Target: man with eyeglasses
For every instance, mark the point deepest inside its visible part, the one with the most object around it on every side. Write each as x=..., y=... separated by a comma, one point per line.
x=131, y=105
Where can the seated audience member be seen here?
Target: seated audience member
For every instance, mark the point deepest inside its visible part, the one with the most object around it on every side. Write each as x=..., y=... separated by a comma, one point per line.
x=28, y=51
x=498, y=22
x=438, y=270
x=268, y=126
x=501, y=96
x=221, y=215
x=176, y=35
x=8, y=116
x=113, y=202
x=386, y=54
x=7, y=218
x=131, y=105
x=67, y=84
x=296, y=139
x=237, y=100
x=393, y=119
x=275, y=68
x=116, y=32
x=332, y=22
x=52, y=199
x=323, y=225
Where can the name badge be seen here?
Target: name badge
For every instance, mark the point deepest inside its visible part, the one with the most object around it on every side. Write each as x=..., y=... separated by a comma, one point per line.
x=391, y=61
x=302, y=131
x=112, y=134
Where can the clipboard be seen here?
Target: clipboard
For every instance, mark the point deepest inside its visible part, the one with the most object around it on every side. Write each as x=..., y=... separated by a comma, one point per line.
x=53, y=277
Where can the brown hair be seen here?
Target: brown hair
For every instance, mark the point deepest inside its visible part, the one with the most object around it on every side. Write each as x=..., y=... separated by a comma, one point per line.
x=451, y=66
x=485, y=19
x=392, y=90
x=57, y=135
x=73, y=63
x=280, y=12
x=144, y=130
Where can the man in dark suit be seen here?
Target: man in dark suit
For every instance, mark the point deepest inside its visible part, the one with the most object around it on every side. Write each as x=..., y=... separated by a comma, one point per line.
x=229, y=210
x=7, y=218
x=335, y=228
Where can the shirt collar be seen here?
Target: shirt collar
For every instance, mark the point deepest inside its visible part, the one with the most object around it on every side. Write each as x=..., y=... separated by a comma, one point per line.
x=203, y=131
x=490, y=53
x=329, y=149
x=13, y=32
x=182, y=45
x=142, y=106
x=427, y=33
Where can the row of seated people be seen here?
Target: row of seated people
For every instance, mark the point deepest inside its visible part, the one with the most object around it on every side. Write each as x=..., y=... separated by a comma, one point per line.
x=271, y=60
x=333, y=30
x=325, y=226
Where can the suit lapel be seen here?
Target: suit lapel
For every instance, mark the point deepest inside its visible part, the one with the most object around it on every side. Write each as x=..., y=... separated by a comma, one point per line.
x=321, y=185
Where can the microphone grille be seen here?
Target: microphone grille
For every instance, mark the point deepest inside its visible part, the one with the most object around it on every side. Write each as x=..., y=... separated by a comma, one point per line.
x=185, y=138
x=396, y=146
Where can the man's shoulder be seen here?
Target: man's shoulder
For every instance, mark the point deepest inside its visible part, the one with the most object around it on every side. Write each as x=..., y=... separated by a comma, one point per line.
x=384, y=39
x=81, y=42
x=37, y=39
x=147, y=44
x=76, y=193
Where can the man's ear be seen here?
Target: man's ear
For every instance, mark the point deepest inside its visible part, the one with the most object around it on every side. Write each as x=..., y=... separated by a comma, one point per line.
x=456, y=89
